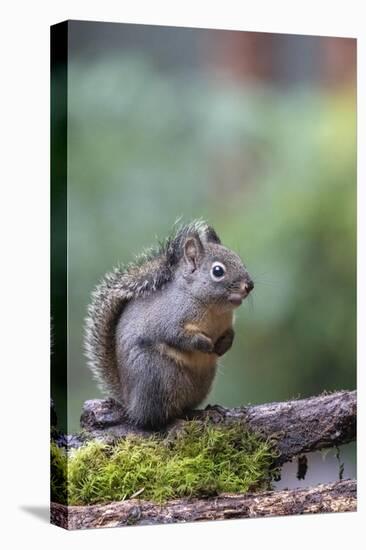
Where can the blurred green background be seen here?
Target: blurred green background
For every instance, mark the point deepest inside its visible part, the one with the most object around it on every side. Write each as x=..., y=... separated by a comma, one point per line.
x=255, y=133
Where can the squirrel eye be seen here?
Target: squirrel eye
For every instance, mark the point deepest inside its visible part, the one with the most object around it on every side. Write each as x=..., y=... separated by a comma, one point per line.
x=218, y=271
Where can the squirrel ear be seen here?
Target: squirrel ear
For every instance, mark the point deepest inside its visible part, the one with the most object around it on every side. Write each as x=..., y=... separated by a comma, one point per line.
x=193, y=250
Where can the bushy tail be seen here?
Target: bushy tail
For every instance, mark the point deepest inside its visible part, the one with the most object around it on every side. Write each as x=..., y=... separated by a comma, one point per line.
x=108, y=301
x=109, y=298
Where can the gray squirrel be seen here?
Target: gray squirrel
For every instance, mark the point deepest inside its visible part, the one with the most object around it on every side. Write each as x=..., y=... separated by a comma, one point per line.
x=155, y=329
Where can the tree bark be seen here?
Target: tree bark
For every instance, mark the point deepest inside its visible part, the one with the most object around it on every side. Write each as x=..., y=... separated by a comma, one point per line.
x=332, y=497
x=298, y=426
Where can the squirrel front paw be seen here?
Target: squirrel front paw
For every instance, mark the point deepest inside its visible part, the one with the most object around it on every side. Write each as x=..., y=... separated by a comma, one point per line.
x=224, y=343
x=202, y=343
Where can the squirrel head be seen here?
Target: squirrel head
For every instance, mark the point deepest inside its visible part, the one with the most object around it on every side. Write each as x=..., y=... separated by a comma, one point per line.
x=212, y=273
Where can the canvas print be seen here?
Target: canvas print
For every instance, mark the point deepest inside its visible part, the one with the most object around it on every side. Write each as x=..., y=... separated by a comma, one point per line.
x=203, y=274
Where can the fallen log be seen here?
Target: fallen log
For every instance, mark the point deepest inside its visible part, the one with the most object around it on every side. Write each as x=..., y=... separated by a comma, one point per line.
x=298, y=426
x=332, y=497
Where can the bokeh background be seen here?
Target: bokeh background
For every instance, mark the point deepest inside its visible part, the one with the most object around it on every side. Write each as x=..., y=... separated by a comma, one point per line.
x=254, y=132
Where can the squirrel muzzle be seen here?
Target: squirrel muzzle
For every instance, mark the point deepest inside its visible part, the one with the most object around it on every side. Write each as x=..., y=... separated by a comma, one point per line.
x=239, y=294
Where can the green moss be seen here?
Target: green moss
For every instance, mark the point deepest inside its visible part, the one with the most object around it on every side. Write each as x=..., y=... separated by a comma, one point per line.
x=200, y=460
x=58, y=474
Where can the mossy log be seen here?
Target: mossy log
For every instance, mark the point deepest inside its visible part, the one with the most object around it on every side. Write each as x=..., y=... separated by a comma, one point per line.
x=299, y=426
x=332, y=497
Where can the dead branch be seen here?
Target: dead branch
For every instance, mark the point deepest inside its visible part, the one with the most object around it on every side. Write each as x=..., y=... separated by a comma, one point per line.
x=332, y=497
x=298, y=426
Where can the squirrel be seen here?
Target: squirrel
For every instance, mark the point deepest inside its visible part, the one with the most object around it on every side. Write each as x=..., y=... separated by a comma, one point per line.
x=155, y=329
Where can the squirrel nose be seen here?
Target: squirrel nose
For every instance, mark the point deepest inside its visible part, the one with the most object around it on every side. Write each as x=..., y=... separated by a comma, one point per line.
x=250, y=285
x=246, y=287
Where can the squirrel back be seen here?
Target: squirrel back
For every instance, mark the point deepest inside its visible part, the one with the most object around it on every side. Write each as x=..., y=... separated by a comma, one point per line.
x=151, y=271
